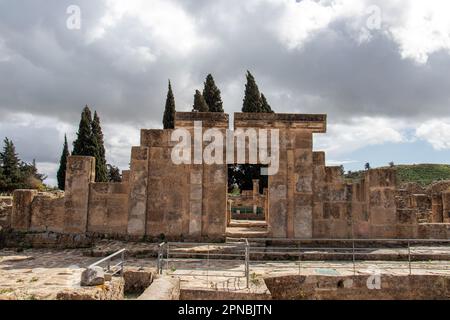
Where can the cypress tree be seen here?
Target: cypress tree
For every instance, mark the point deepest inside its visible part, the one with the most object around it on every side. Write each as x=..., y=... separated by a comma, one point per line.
x=169, y=112
x=265, y=107
x=84, y=144
x=11, y=163
x=199, y=103
x=212, y=95
x=2, y=179
x=61, y=175
x=101, y=170
x=252, y=98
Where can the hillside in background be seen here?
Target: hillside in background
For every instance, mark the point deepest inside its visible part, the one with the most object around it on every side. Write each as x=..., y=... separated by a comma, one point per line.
x=423, y=174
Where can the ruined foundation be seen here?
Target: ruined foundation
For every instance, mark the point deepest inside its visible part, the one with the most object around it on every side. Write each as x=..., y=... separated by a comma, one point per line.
x=160, y=200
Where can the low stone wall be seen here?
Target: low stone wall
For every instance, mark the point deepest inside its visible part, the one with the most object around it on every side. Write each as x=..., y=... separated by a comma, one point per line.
x=137, y=280
x=392, y=287
x=164, y=288
x=111, y=290
x=222, y=295
x=47, y=212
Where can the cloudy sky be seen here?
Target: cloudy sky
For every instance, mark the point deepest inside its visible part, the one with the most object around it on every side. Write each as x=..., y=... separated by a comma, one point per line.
x=378, y=68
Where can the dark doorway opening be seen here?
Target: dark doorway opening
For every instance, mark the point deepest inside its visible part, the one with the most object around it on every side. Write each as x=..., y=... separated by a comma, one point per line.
x=241, y=177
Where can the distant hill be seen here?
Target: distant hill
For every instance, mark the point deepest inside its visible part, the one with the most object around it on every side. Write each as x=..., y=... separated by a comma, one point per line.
x=423, y=174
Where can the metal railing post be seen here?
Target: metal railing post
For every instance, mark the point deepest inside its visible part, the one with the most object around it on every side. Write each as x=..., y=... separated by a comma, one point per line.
x=123, y=262
x=409, y=257
x=247, y=265
x=207, y=270
x=353, y=254
x=300, y=258
x=160, y=258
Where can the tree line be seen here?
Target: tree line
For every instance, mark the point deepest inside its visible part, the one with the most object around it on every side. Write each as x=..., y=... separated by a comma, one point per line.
x=89, y=142
x=210, y=100
x=17, y=174
x=240, y=176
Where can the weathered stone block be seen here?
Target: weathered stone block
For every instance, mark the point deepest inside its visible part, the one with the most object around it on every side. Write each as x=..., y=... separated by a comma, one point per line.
x=21, y=210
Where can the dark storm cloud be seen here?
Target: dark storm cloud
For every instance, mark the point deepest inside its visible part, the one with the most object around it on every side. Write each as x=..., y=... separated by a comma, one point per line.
x=49, y=71
x=54, y=71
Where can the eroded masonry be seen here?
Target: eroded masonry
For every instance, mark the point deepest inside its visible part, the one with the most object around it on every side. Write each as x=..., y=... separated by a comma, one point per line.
x=306, y=199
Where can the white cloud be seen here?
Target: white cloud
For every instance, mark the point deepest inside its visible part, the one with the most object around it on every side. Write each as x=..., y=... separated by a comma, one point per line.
x=164, y=22
x=423, y=28
x=435, y=132
x=419, y=27
x=345, y=138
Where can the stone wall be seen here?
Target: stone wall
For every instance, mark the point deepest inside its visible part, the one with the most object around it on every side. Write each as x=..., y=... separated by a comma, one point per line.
x=5, y=212
x=108, y=208
x=392, y=287
x=47, y=212
x=305, y=198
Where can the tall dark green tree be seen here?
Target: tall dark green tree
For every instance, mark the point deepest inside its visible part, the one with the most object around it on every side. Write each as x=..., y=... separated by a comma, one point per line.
x=101, y=170
x=10, y=162
x=84, y=144
x=212, y=95
x=61, y=175
x=169, y=111
x=265, y=107
x=252, y=98
x=2, y=179
x=199, y=103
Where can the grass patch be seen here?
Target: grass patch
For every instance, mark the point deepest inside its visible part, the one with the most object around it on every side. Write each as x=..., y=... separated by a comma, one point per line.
x=5, y=291
x=423, y=174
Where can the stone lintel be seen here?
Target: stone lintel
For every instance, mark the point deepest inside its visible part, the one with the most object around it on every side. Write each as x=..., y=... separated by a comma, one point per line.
x=317, y=123
x=208, y=119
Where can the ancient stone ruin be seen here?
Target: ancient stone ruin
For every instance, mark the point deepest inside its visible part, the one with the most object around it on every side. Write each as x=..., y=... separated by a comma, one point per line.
x=305, y=200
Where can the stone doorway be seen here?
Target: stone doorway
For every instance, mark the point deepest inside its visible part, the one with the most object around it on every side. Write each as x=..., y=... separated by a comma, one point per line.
x=247, y=201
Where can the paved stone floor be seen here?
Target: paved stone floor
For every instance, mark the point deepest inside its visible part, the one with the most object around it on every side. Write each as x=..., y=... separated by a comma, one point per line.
x=41, y=274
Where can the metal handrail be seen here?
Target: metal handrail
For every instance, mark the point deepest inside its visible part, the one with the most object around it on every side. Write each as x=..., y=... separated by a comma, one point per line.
x=109, y=258
x=242, y=251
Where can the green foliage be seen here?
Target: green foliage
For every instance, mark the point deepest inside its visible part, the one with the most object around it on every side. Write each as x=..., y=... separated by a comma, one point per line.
x=169, y=111
x=16, y=174
x=254, y=101
x=84, y=144
x=199, y=103
x=242, y=176
x=101, y=170
x=423, y=174
x=90, y=143
x=61, y=175
x=265, y=107
x=114, y=174
x=252, y=98
x=212, y=95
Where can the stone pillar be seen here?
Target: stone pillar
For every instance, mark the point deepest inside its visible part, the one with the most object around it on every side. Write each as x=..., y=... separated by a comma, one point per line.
x=437, y=208
x=381, y=201
x=79, y=174
x=300, y=173
x=138, y=183
x=446, y=206
x=255, y=189
x=21, y=210
x=214, y=201
x=196, y=198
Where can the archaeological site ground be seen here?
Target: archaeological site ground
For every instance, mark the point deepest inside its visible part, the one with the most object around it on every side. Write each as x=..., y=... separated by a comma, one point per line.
x=174, y=231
